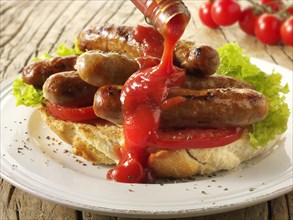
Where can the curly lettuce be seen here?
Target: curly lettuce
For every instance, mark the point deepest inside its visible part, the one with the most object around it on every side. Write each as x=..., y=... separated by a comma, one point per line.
x=62, y=51
x=235, y=64
x=43, y=56
x=27, y=94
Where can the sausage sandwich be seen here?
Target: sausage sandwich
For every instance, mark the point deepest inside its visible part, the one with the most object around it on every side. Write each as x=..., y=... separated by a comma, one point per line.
x=205, y=122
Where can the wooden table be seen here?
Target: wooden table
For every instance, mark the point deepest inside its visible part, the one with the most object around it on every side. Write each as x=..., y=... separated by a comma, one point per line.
x=31, y=27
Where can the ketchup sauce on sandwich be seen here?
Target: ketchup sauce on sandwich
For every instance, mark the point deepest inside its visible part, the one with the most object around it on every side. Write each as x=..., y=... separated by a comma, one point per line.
x=144, y=94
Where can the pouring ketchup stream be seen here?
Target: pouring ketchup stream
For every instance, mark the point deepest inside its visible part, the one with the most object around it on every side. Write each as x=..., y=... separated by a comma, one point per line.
x=142, y=100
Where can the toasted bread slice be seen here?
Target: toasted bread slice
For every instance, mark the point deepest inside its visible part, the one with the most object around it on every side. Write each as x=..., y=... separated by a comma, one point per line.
x=98, y=142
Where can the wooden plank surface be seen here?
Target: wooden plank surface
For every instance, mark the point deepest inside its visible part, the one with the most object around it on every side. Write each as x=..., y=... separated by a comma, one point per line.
x=28, y=28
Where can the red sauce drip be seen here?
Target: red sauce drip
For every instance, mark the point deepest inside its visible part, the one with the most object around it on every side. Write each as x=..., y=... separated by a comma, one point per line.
x=150, y=40
x=142, y=97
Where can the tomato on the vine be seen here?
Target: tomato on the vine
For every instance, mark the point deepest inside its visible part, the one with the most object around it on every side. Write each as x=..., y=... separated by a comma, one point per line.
x=267, y=28
x=287, y=31
x=290, y=10
x=263, y=19
x=247, y=20
x=205, y=16
x=225, y=12
x=275, y=5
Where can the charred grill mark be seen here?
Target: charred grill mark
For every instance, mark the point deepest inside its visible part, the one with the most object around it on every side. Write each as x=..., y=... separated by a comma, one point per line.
x=208, y=96
x=113, y=90
x=110, y=91
x=196, y=59
x=197, y=51
x=89, y=31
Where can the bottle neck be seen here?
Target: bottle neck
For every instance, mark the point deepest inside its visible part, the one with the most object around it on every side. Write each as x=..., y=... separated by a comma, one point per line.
x=159, y=13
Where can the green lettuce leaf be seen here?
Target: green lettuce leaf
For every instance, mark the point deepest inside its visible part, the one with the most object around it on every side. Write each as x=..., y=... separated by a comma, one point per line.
x=62, y=51
x=43, y=56
x=26, y=94
x=235, y=64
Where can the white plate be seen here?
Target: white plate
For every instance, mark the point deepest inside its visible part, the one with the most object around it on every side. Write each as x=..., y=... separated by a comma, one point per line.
x=36, y=161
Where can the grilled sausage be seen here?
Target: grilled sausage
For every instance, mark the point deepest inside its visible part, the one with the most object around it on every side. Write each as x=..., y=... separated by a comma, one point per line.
x=98, y=68
x=202, y=60
x=214, y=81
x=36, y=73
x=107, y=103
x=122, y=39
x=216, y=108
x=109, y=38
x=207, y=108
x=67, y=89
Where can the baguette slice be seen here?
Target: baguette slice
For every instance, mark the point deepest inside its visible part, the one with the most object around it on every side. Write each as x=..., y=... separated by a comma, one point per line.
x=98, y=143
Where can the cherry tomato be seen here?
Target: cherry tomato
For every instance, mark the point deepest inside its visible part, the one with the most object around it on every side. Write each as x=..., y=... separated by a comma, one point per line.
x=275, y=5
x=71, y=114
x=205, y=14
x=225, y=12
x=290, y=10
x=197, y=138
x=247, y=20
x=287, y=31
x=267, y=28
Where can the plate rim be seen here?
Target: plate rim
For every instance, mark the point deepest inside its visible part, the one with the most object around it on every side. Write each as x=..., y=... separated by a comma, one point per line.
x=142, y=213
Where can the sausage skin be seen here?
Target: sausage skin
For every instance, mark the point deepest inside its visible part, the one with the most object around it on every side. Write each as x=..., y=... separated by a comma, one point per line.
x=214, y=81
x=109, y=38
x=215, y=108
x=107, y=104
x=206, y=108
x=196, y=59
x=67, y=89
x=99, y=68
x=37, y=73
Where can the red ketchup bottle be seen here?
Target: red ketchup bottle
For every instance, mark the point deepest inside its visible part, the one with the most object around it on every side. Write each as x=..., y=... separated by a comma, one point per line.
x=159, y=12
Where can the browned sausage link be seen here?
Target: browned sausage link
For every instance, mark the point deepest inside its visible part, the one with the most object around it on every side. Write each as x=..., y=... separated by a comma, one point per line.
x=110, y=38
x=67, y=89
x=195, y=59
x=214, y=81
x=36, y=73
x=101, y=68
x=107, y=103
x=214, y=108
x=208, y=108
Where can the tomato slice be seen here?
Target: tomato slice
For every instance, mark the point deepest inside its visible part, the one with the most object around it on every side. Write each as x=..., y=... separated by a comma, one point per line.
x=71, y=114
x=177, y=139
x=197, y=138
